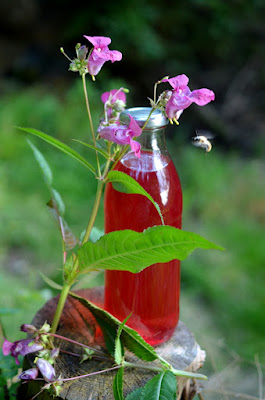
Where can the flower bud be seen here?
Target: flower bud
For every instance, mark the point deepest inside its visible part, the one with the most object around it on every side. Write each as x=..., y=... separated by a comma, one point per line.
x=45, y=328
x=54, y=353
x=81, y=52
x=29, y=374
x=46, y=369
x=28, y=328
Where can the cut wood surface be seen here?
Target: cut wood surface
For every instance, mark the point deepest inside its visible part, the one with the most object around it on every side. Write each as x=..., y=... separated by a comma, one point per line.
x=77, y=323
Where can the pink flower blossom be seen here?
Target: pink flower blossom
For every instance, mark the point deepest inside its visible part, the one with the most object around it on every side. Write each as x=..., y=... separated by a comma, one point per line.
x=20, y=347
x=114, y=102
x=182, y=97
x=123, y=134
x=113, y=96
x=100, y=53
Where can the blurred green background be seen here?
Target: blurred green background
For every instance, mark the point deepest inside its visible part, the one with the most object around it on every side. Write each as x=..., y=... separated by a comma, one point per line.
x=219, y=45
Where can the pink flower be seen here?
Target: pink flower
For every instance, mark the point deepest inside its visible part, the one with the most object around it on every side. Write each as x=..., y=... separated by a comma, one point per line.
x=113, y=96
x=100, y=53
x=182, y=97
x=123, y=134
x=20, y=347
x=114, y=102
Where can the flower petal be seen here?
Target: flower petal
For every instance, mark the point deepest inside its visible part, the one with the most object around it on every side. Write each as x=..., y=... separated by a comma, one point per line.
x=202, y=96
x=98, y=41
x=7, y=347
x=136, y=147
x=134, y=127
x=178, y=82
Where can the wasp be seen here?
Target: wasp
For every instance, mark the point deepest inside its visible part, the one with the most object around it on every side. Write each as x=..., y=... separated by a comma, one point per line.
x=202, y=140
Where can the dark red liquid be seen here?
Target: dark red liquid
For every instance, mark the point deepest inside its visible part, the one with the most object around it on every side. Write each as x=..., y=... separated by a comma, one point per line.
x=153, y=294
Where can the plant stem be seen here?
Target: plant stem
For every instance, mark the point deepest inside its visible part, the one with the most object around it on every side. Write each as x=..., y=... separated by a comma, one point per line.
x=160, y=369
x=74, y=342
x=92, y=373
x=90, y=120
x=60, y=306
x=94, y=211
x=127, y=364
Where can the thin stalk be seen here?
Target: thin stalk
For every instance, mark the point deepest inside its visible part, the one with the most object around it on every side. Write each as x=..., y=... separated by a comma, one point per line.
x=74, y=342
x=60, y=306
x=94, y=211
x=67, y=285
x=90, y=120
x=160, y=369
x=92, y=373
x=127, y=364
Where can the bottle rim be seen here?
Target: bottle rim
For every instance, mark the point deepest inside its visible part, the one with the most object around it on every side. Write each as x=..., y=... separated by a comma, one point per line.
x=140, y=115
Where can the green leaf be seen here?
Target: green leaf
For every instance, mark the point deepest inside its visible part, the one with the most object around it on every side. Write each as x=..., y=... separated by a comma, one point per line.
x=135, y=395
x=68, y=237
x=126, y=184
x=95, y=234
x=46, y=170
x=109, y=326
x=118, y=385
x=59, y=201
x=50, y=282
x=119, y=352
x=61, y=146
x=102, y=152
x=132, y=251
x=162, y=387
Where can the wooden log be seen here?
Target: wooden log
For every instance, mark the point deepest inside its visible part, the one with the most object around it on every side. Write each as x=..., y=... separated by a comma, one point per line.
x=77, y=323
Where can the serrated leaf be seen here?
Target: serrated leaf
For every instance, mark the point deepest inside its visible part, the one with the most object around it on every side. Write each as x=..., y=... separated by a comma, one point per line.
x=126, y=184
x=61, y=146
x=44, y=166
x=132, y=251
x=118, y=385
x=119, y=351
x=109, y=326
x=135, y=395
x=162, y=387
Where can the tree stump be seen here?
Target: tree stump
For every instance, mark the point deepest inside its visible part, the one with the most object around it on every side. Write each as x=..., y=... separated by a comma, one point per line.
x=77, y=323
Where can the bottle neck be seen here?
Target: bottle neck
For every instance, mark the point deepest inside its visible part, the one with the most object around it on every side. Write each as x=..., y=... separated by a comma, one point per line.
x=153, y=140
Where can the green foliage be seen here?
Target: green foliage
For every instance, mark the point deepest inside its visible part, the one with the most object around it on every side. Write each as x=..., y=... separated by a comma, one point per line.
x=162, y=387
x=132, y=251
x=118, y=385
x=109, y=325
x=61, y=146
x=126, y=184
x=8, y=369
x=119, y=351
x=135, y=395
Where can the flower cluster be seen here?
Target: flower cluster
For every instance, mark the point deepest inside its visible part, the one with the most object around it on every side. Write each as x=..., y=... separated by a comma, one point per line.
x=38, y=344
x=173, y=102
x=98, y=55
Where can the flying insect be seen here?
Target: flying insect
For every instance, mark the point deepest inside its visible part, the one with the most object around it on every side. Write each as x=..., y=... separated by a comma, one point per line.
x=202, y=140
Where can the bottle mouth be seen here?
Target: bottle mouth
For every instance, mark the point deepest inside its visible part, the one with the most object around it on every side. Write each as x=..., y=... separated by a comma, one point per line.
x=140, y=115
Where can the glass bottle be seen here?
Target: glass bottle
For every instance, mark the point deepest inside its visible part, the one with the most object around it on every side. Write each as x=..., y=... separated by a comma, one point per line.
x=152, y=296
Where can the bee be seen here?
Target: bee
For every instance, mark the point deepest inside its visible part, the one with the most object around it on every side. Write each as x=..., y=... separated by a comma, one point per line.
x=202, y=140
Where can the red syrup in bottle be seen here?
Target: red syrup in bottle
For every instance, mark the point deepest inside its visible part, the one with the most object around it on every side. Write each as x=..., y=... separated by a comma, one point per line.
x=152, y=296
